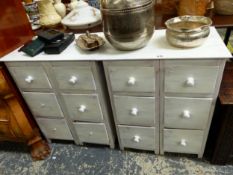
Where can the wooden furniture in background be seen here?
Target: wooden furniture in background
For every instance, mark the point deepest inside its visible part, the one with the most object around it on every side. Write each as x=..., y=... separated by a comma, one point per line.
x=16, y=123
x=220, y=140
x=15, y=29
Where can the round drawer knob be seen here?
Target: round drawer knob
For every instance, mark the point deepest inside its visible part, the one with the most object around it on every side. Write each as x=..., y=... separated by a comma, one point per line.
x=131, y=81
x=29, y=79
x=82, y=108
x=136, y=139
x=73, y=80
x=54, y=129
x=186, y=114
x=190, y=82
x=183, y=142
x=90, y=133
x=134, y=111
x=42, y=105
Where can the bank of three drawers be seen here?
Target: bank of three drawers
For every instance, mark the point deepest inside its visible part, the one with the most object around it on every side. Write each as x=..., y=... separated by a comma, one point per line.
x=165, y=105
x=67, y=99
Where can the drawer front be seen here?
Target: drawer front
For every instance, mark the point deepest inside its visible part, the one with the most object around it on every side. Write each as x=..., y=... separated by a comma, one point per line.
x=30, y=77
x=74, y=77
x=135, y=110
x=132, y=79
x=55, y=128
x=191, y=79
x=92, y=133
x=43, y=104
x=83, y=107
x=190, y=113
x=183, y=141
x=137, y=137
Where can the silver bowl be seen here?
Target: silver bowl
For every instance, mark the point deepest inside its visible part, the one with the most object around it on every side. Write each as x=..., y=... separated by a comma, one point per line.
x=187, y=31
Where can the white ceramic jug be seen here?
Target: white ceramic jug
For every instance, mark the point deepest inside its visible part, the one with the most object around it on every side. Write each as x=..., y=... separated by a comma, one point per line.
x=60, y=8
x=48, y=14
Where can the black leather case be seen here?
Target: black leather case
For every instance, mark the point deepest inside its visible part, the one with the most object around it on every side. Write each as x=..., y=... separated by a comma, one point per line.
x=59, y=45
x=50, y=35
x=33, y=48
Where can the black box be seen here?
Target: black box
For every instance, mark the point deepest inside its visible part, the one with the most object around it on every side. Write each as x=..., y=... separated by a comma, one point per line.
x=33, y=47
x=59, y=45
x=50, y=35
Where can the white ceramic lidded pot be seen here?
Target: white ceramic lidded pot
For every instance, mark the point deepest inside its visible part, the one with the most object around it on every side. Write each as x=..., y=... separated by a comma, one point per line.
x=73, y=4
x=48, y=14
x=82, y=17
x=60, y=8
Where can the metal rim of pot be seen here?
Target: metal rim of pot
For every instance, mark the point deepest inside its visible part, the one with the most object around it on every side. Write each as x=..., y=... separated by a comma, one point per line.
x=128, y=10
x=205, y=20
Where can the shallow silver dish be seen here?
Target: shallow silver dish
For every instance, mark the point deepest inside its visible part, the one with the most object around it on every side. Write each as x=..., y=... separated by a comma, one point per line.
x=187, y=31
x=81, y=45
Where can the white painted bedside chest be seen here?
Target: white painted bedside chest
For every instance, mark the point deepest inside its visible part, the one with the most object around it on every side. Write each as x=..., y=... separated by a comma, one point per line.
x=162, y=97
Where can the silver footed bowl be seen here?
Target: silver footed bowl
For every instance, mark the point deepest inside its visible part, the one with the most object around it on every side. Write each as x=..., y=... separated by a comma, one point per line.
x=188, y=31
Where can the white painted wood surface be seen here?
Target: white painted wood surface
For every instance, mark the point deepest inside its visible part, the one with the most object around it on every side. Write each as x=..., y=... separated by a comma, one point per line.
x=30, y=77
x=186, y=113
x=83, y=107
x=183, y=141
x=74, y=77
x=135, y=110
x=132, y=79
x=43, y=104
x=138, y=137
x=55, y=128
x=157, y=48
x=92, y=132
x=191, y=79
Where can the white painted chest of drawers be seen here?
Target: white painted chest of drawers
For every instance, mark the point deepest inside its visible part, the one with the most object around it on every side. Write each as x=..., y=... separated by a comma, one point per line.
x=67, y=99
x=162, y=98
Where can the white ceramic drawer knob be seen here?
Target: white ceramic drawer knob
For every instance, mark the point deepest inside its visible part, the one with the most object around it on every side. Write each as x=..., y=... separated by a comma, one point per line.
x=134, y=111
x=186, y=114
x=183, y=142
x=29, y=79
x=136, y=139
x=42, y=105
x=73, y=80
x=82, y=108
x=90, y=133
x=131, y=81
x=54, y=129
x=190, y=82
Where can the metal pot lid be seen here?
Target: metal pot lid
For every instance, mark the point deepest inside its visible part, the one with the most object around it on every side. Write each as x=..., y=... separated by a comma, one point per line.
x=123, y=4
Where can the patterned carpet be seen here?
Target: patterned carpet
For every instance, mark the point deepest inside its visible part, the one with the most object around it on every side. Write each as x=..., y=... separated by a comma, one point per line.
x=70, y=159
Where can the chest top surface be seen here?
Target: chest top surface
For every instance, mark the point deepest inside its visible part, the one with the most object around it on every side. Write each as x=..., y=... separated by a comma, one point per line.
x=157, y=48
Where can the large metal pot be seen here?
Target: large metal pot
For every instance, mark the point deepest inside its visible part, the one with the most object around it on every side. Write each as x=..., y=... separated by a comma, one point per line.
x=128, y=24
x=187, y=31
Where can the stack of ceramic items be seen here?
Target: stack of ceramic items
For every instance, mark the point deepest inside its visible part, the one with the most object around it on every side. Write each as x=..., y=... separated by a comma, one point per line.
x=32, y=13
x=82, y=16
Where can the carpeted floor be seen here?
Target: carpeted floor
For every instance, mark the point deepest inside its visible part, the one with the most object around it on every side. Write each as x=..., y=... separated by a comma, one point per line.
x=70, y=159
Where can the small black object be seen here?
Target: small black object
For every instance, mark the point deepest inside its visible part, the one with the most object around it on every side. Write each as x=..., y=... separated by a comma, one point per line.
x=50, y=35
x=59, y=45
x=33, y=47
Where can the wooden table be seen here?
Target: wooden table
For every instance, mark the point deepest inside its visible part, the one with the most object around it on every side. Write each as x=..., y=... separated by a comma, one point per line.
x=220, y=140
